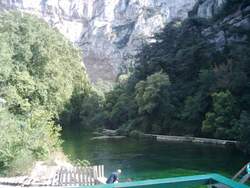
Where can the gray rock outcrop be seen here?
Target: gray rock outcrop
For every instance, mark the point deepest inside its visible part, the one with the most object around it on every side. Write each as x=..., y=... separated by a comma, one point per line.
x=110, y=32
x=230, y=29
x=209, y=8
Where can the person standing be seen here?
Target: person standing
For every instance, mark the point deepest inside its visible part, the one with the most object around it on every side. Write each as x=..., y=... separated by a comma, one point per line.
x=114, y=177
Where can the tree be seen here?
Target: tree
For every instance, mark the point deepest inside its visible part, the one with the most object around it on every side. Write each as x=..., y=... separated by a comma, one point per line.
x=221, y=120
x=39, y=72
x=149, y=93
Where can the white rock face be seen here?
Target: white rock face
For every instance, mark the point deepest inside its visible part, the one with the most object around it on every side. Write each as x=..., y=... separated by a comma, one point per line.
x=66, y=15
x=209, y=8
x=110, y=32
x=115, y=30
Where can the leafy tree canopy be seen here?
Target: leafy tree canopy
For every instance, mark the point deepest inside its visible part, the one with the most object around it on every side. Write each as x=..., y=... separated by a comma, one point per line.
x=40, y=71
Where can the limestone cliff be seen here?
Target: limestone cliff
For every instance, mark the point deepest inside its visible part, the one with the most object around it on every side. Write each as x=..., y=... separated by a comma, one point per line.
x=110, y=32
x=209, y=8
x=230, y=28
x=116, y=29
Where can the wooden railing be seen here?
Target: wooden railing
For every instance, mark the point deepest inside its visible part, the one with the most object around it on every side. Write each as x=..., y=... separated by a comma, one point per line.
x=78, y=176
x=74, y=176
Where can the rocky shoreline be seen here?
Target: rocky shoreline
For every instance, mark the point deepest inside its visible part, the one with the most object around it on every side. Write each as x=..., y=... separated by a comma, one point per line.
x=166, y=138
x=108, y=134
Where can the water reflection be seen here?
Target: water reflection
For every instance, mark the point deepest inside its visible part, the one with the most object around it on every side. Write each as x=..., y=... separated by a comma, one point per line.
x=143, y=159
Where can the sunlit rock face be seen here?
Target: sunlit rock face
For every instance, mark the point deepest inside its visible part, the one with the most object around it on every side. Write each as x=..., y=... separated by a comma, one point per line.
x=115, y=30
x=110, y=32
x=66, y=15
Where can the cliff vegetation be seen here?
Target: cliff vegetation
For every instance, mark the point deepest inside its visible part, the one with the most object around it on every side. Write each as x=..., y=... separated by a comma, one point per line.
x=194, y=80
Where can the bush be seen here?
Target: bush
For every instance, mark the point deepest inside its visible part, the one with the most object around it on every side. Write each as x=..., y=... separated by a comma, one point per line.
x=24, y=141
x=221, y=120
x=39, y=72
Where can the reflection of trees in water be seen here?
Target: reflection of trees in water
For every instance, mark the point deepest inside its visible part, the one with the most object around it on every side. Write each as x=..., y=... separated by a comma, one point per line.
x=142, y=159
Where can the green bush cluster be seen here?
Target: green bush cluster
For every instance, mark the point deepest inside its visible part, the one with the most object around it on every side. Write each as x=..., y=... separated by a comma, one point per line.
x=24, y=141
x=40, y=71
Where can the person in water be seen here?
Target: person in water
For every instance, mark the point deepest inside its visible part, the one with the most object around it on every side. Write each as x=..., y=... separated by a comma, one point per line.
x=114, y=177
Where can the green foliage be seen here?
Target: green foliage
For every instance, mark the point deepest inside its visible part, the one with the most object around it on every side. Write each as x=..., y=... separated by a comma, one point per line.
x=147, y=101
x=102, y=86
x=35, y=137
x=118, y=108
x=244, y=125
x=39, y=72
x=83, y=110
x=40, y=66
x=209, y=91
x=150, y=92
x=219, y=122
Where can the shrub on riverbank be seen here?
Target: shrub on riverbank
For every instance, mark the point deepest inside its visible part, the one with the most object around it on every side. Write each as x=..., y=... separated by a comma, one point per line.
x=39, y=72
x=22, y=141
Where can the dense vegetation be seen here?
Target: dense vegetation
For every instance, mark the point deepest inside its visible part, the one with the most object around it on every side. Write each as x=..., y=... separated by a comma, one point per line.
x=184, y=85
x=40, y=71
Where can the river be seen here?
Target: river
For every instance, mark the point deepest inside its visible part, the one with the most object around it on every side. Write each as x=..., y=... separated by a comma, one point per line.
x=140, y=159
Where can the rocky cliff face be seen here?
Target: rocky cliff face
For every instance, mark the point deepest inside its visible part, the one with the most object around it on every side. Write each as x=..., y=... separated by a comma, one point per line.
x=209, y=8
x=220, y=37
x=110, y=32
x=66, y=15
x=231, y=28
x=116, y=29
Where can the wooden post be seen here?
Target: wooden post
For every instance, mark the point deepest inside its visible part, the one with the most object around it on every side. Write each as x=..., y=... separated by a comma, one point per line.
x=102, y=171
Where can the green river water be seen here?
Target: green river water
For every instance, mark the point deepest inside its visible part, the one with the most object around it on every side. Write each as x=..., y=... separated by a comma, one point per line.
x=140, y=159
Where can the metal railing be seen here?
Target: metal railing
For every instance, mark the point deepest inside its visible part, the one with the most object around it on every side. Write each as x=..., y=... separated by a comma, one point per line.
x=178, y=182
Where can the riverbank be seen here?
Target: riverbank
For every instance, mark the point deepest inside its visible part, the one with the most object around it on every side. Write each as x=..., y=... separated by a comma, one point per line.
x=41, y=173
x=166, y=138
x=106, y=134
